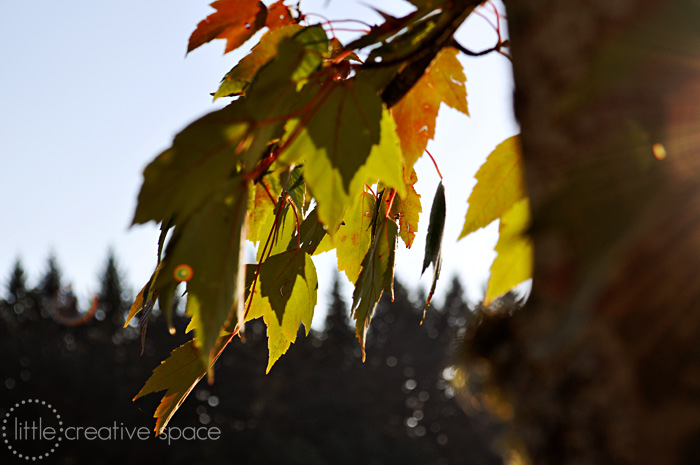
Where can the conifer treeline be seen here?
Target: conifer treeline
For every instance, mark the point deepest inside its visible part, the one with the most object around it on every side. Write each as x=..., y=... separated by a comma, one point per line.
x=319, y=405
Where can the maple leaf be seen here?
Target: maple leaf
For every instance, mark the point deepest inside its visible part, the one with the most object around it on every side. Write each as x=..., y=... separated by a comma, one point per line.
x=281, y=228
x=353, y=238
x=409, y=209
x=211, y=244
x=311, y=235
x=286, y=298
x=261, y=208
x=513, y=264
x=234, y=20
x=240, y=76
x=177, y=375
x=274, y=92
x=500, y=183
x=202, y=158
x=377, y=276
x=347, y=142
x=416, y=113
x=278, y=15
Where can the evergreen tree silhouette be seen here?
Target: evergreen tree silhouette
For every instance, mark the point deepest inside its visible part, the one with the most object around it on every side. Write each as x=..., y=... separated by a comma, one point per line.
x=338, y=336
x=17, y=285
x=51, y=281
x=112, y=292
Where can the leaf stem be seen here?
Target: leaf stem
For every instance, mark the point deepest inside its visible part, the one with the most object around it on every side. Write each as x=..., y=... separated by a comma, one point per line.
x=370, y=189
x=296, y=216
x=434, y=163
x=262, y=258
x=390, y=203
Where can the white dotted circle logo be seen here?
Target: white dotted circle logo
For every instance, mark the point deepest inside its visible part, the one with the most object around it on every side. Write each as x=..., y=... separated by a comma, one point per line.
x=32, y=430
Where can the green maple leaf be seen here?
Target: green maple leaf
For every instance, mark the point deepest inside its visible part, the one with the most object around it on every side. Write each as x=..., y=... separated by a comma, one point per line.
x=210, y=242
x=177, y=375
x=237, y=80
x=202, y=158
x=500, y=183
x=346, y=142
x=376, y=276
x=274, y=92
x=285, y=298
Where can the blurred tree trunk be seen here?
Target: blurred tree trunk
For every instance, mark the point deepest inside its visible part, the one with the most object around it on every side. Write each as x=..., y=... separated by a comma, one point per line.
x=603, y=363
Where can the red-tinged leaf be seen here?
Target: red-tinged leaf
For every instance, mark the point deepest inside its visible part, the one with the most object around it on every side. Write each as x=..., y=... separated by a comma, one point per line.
x=177, y=375
x=278, y=15
x=416, y=113
x=261, y=208
x=377, y=276
x=409, y=209
x=237, y=80
x=234, y=20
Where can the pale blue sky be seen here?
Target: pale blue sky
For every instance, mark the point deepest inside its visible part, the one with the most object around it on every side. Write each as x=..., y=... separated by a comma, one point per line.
x=91, y=91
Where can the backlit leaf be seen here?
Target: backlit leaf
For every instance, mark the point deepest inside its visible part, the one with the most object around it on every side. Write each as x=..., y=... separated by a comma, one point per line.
x=335, y=143
x=513, y=264
x=177, y=375
x=234, y=20
x=236, y=81
x=261, y=208
x=354, y=237
x=416, y=113
x=203, y=156
x=345, y=143
x=285, y=297
x=274, y=92
x=500, y=183
x=433, y=242
x=280, y=232
x=211, y=243
x=377, y=276
x=409, y=208
x=312, y=234
x=278, y=15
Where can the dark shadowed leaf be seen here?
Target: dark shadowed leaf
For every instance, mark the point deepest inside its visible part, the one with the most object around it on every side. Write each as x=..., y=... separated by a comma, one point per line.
x=377, y=276
x=274, y=92
x=236, y=81
x=177, y=375
x=203, y=156
x=433, y=242
x=211, y=243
